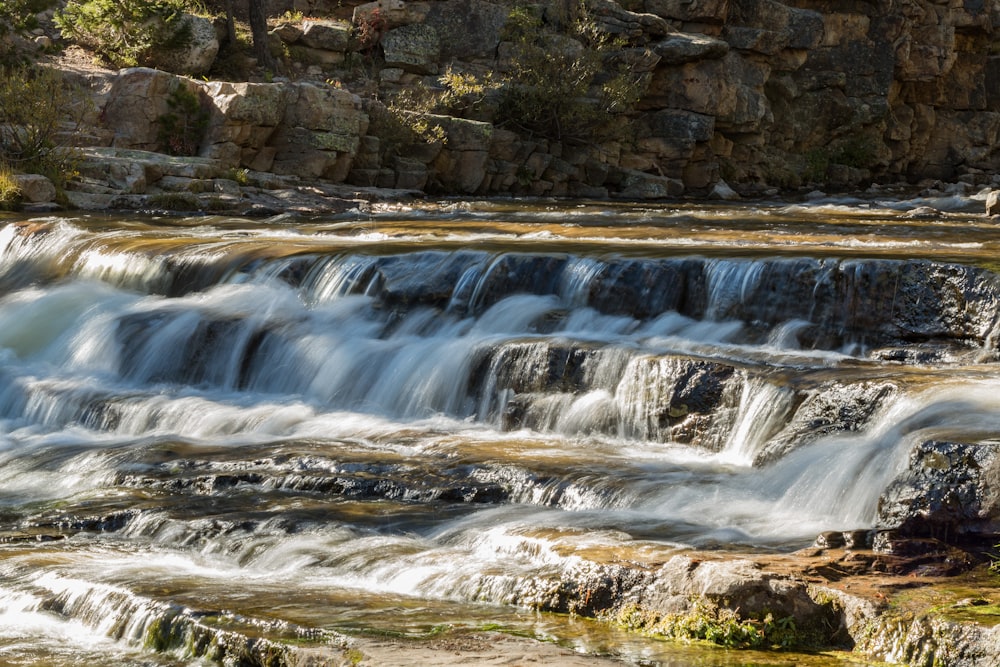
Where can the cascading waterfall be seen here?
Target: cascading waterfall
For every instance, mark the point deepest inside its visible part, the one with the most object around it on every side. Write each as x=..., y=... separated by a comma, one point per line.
x=200, y=420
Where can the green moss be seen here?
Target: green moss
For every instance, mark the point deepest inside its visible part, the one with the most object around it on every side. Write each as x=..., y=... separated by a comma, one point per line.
x=174, y=201
x=707, y=622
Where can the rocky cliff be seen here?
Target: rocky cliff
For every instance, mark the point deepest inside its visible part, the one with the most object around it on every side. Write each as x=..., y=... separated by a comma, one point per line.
x=758, y=94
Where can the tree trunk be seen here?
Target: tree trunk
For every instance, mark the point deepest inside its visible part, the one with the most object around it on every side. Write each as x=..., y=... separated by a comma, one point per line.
x=258, y=27
x=230, y=24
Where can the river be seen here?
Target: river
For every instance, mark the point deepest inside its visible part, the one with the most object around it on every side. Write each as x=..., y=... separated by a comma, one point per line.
x=408, y=421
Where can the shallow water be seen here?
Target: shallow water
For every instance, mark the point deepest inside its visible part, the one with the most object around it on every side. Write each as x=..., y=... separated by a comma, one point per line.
x=404, y=422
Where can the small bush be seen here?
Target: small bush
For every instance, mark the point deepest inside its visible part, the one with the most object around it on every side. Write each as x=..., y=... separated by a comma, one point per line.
x=562, y=88
x=36, y=104
x=182, y=128
x=174, y=201
x=125, y=32
x=10, y=192
x=19, y=15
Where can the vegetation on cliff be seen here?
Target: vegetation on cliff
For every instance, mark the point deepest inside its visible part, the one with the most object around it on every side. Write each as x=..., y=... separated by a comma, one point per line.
x=596, y=98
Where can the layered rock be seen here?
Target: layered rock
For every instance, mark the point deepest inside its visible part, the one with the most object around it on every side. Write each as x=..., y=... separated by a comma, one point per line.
x=753, y=94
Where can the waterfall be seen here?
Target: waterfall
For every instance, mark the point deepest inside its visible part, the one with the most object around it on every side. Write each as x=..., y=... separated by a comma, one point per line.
x=220, y=426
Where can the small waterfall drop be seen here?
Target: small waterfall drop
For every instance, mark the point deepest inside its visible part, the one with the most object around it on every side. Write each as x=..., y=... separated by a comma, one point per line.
x=216, y=430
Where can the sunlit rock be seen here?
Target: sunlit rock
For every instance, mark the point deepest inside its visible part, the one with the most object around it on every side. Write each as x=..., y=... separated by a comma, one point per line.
x=413, y=48
x=35, y=188
x=193, y=58
x=993, y=203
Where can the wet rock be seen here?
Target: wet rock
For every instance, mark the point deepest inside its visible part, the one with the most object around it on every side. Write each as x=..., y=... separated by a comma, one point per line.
x=830, y=540
x=948, y=492
x=828, y=409
x=721, y=190
x=675, y=398
x=922, y=213
x=858, y=539
x=638, y=288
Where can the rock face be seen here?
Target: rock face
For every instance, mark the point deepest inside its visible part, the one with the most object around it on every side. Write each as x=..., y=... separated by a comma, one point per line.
x=755, y=94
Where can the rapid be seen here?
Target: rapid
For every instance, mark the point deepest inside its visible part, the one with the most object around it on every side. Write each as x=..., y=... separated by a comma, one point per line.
x=294, y=430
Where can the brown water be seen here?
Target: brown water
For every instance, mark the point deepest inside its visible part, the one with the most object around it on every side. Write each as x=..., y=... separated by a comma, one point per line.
x=400, y=424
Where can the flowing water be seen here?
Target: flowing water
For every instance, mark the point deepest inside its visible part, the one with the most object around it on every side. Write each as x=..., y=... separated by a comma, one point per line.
x=415, y=419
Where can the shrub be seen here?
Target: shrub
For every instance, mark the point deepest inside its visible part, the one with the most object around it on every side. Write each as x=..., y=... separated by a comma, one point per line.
x=19, y=15
x=36, y=103
x=565, y=88
x=182, y=128
x=10, y=192
x=125, y=32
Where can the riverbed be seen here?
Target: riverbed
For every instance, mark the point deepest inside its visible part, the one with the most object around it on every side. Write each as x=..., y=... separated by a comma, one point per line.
x=393, y=431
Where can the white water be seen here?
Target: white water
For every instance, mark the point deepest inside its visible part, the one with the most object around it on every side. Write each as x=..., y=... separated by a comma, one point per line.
x=213, y=426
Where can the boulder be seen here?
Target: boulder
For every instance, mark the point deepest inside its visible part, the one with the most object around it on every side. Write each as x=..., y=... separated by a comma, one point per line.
x=949, y=491
x=730, y=88
x=467, y=28
x=413, y=48
x=610, y=18
x=35, y=188
x=721, y=190
x=681, y=48
x=136, y=100
x=326, y=35
x=194, y=58
x=325, y=108
x=640, y=185
x=993, y=203
x=389, y=13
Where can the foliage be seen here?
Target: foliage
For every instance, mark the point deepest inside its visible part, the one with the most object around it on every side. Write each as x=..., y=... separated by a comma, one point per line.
x=817, y=163
x=174, y=201
x=464, y=94
x=125, y=32
x=35, y=105
x=563, y=88
x=19, y=15
x=369, y=30
x=235, y=61
x=293, y=16
x=10, y=192
x=241, y=176
x=182, y=128
x=554, y=86
x=398, y=126
x=856, y=151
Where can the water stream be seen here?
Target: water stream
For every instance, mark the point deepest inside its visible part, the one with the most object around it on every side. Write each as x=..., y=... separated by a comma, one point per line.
x=401, y=421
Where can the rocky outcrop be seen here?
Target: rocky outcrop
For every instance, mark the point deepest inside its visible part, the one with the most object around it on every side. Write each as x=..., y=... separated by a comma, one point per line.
x=751, y=94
